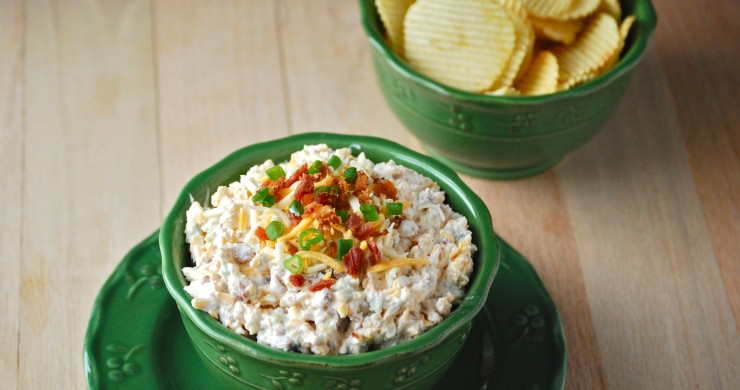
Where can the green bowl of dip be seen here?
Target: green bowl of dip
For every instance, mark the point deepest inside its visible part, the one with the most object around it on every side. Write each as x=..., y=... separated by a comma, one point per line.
x=240, y=362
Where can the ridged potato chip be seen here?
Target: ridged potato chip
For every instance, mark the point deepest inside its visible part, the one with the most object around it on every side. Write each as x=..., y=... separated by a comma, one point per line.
x=611, y=7
x=547, y=8
x=463, y=43
x=523, y=47
x=564, y=31
x=391, y=14
x=593, y=48
x=577, y=80
x=507, y=47
x=541, y=77
x=624, y=30
x=579, y=9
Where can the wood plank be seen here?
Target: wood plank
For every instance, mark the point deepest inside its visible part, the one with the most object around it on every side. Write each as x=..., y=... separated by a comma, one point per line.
x=662, y=317
x=530, y=214
x=330, y=81
x=219, y=85
x=91, y=186
x=708, y=65
x=11, y=182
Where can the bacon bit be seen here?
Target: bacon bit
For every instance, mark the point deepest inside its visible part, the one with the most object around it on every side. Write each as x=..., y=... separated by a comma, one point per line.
x=354, y=221
x=331, y=250
x=355, y=262
x=359, y=229
x=343, y=202
x=297, y=280
x=327, y=198
x=374, y=253
x=305, y=187
x=322, y=284
x=297, y=175
x=261, y=234
x=292, y=249
x=364, y=231
x=325, y=215
x=362, y=192
x=385, y=187
x=355, y=335
x=294, y=219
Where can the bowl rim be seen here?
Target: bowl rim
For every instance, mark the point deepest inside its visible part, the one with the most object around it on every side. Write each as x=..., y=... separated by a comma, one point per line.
x=487, y=257
x=645, y=23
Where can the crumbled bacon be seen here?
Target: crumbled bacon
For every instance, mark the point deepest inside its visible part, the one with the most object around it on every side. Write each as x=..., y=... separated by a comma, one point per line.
x=292, y=249
x=361, y=187
x=305, y=187
x=294, y=219
x=359, y=229
x=374, y=253
x=355, y=335
x=275, y=186
x=322, y=284
x=325, y=215
x=331, y=250
x=385, y=187
x=343, y=201
x=327, y=198
x=297, y=280
x=261, y=234
x=297, y=175
x=355, y=262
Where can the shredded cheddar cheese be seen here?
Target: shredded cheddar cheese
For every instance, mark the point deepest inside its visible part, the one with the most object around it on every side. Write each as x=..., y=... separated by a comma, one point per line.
x=396, y=263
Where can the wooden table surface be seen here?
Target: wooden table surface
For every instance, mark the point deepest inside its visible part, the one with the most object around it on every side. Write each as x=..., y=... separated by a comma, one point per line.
x=108, y=107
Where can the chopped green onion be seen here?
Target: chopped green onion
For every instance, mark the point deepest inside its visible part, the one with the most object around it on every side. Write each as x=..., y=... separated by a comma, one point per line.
x=369, y=211
x=309, y=237
x=394, y=208
x=257, y=198
x=296, y=208
x=332, y=188
x=274, y=230
x=294, y=264
x=268, y=201
x=343, y=246
x=275, y=172
x=335, y=162
x=343, y=214
x=350, y=174
x=315, y=167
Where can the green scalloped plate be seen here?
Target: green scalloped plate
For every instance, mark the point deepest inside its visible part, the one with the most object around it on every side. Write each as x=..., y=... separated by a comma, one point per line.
x=135, y=338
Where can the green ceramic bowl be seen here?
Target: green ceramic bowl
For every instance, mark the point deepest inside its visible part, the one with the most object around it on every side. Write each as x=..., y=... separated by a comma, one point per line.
x=241, y=362
x=502, y=137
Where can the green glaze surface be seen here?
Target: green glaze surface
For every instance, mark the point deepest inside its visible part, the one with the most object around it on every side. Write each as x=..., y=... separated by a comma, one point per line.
x=136, y=340
x=428, y=356
x=503, y=137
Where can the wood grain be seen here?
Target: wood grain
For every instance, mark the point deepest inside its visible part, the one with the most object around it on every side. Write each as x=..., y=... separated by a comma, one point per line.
x=11, y=183
x=703, y=78
x=552, y=251
x=218, y=82
x=89, y=189
x=654, y=286
x=333, y=63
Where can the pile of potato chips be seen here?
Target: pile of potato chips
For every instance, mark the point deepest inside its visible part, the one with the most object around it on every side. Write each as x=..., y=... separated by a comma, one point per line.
x=507, y=47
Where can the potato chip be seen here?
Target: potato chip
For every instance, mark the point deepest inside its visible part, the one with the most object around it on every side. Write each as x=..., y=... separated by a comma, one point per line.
x=505, y=91
x=464, y=44
x=541, y=77
x=593, y=48
x=391, y=14
x=564, y=31
x=611, y=7
x=624, y=29
x=522, y=49
x=577, y=80
x=547, y=8
x=579, y=9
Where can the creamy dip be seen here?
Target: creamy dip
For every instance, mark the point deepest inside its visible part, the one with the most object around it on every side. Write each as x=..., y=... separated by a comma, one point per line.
x=328, y=253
